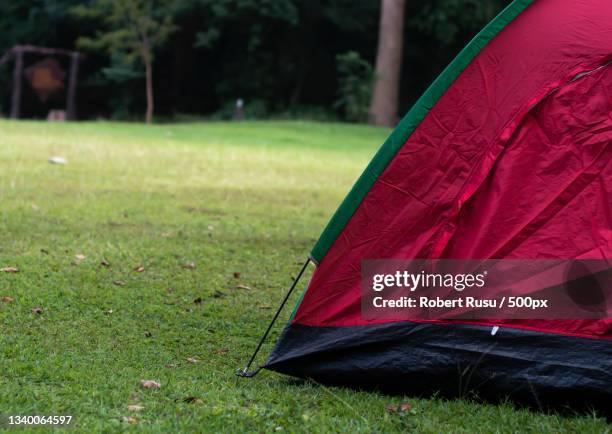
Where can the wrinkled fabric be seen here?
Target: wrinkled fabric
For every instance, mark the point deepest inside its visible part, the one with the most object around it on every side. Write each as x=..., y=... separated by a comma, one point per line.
x=513, y=161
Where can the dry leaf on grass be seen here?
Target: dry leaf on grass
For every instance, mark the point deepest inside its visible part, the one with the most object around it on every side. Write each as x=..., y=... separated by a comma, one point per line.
x=129, y=419
x=7, y=299
x=402, y=408
x=170, y=365
x=150, y=384
x=139, y=269
x=10, y=270
x=392, y=408
x=79, y=257
x=148, y=334
x=192, y=400
x=105, y=263
x=243, y=287
x=108, y=312
x=189, y=266
x=38, y=310
x=135, y=408
x=192, y=360
x=119, y=283
x=222, y=351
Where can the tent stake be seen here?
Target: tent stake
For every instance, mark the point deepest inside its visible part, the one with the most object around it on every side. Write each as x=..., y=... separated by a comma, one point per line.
x=245, y=372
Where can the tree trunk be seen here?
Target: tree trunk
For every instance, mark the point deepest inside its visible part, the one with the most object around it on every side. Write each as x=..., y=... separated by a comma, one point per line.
x=72, y=87
x=146, y=59
x=383, y=106
x=17, y=73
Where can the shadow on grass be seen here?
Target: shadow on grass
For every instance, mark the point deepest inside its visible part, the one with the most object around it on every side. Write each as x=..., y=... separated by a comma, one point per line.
x=553, y=408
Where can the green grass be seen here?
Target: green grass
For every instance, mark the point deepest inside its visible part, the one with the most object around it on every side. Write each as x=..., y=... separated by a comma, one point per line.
x=248, y=198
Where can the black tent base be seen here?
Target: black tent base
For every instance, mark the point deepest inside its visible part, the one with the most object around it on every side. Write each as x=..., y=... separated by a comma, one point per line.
x=539, y=370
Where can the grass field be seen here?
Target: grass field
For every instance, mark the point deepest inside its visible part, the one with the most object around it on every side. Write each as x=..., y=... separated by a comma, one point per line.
x=203, y=212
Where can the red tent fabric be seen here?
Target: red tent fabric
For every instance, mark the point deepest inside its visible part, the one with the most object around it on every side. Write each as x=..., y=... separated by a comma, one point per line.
x=507, y=155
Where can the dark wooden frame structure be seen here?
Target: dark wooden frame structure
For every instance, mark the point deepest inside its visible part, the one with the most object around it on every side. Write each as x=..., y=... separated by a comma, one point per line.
x=18, y=52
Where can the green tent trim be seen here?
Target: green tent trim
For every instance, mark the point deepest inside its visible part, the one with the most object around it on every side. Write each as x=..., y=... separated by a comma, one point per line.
x=417, y=113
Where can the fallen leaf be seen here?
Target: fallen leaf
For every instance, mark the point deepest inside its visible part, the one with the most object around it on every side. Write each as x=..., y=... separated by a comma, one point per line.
x=189, y=266
x=148, y=334
x=170, y=365
x=129, y=419
x=192, y=400
x=402, y=408
x=405, y=407
x=37, y=310
x=139, y=269
x=105, y=263
x=135, y=407
x=192, y=360
x=108, y=312
x=79, y=257
x=222, y=351
x=236, y=274
x=119, y=283
x=198, y=300
x=7, y=299
x=243, y=287
x=264, y=306
x=10, y=269
x=392, y=408
x=150, y=384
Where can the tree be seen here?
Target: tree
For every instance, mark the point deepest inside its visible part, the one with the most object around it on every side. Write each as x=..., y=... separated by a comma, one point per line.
x=446, y=20
x=133, y=30
x=356, y=76
x=43, y=23
x=385, y=97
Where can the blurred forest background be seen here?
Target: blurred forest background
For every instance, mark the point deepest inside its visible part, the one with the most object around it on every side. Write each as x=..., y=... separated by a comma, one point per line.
x=311, y=59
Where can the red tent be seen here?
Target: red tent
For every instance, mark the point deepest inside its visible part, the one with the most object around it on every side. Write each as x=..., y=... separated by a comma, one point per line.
x=506, y=155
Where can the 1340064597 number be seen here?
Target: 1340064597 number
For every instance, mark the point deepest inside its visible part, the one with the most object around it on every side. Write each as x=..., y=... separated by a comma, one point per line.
x=38, y=420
